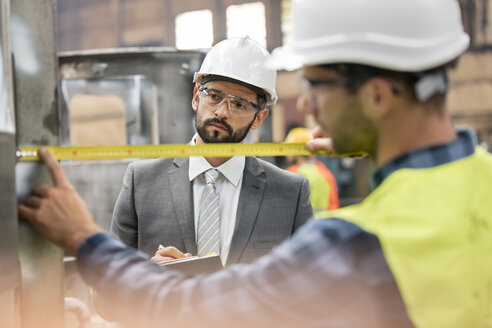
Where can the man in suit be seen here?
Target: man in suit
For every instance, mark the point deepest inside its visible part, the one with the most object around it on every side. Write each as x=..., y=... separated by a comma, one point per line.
x=260, y=205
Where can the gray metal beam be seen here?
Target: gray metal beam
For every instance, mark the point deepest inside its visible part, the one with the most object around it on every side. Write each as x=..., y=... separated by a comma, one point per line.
x=10, y=276
x=10, y=281
x=33, y=38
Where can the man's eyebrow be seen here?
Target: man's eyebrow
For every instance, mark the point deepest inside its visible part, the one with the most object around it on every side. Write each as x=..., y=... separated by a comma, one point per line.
x=215, y=90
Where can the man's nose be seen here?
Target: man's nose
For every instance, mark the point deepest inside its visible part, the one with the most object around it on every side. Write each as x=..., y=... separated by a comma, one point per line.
x=222, y=109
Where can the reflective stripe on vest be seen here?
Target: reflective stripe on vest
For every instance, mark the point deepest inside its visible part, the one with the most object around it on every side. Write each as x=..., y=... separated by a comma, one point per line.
x=435, y=228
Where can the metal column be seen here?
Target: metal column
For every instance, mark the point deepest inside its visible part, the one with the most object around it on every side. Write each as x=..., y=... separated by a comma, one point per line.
x=33, y=39
x=10, y=277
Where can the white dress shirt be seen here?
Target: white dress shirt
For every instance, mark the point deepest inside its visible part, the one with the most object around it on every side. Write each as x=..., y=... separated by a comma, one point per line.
x=228, y=185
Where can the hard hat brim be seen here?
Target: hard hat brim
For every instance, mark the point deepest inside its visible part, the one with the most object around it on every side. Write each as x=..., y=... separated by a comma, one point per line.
x=405, y=57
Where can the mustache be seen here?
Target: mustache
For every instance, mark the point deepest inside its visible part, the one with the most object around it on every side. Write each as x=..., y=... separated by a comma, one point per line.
x=218, y=121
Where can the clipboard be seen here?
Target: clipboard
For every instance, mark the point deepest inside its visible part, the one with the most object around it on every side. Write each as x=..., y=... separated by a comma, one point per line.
x=195, y=265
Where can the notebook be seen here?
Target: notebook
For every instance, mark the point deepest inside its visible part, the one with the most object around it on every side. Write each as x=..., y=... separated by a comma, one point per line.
x=194, y=264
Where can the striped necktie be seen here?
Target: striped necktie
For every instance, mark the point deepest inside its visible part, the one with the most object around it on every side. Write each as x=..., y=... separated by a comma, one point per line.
x=209, y=217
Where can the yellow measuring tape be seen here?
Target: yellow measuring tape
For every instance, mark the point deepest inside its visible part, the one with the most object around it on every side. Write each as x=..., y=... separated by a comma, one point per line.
x=170, y=150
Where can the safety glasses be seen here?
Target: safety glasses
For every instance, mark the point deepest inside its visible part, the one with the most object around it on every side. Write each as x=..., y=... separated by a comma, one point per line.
x=237, y=105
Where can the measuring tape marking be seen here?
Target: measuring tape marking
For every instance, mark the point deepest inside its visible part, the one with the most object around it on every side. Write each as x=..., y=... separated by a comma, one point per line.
x=169, y=150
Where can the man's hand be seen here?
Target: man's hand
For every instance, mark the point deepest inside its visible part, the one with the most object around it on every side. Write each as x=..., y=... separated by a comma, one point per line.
x=319, y=141
x=166, y=254
x=58, y=212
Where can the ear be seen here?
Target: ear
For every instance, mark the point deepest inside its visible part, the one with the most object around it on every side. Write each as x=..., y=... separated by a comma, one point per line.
x=194, y=101
x=377, y=98
x=262, y=114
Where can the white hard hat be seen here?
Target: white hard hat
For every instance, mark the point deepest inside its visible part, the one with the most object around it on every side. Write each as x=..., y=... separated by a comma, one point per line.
x=244, y=60
x=399, y=35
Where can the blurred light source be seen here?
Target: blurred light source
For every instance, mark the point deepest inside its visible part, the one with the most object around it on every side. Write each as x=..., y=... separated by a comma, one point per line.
x=247, y=19
x=194, y=30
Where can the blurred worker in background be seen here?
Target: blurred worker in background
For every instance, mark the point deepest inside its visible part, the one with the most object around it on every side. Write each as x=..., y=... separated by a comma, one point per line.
x=375, y=79
x=322, y=183
x=253, y=205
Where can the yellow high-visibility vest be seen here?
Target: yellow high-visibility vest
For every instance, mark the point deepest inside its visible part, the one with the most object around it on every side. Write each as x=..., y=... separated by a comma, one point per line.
x=320, y=189
x=435, y=229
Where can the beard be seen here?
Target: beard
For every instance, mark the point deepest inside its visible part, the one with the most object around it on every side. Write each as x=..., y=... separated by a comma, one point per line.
x=213, y=137
x=354, y=131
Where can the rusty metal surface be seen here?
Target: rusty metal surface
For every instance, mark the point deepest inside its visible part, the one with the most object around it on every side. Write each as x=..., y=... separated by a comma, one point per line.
x=33, y=38
x=33, y=46
x=99, y=184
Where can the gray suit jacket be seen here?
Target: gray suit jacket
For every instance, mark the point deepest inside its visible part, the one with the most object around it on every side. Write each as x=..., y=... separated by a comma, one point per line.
x=155, y=206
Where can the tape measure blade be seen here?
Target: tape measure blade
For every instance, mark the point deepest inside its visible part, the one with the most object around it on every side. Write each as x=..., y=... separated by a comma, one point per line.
x=167, y=150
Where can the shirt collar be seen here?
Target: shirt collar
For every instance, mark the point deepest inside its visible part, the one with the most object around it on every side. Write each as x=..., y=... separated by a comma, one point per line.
x=232, y=169
x=462, y=146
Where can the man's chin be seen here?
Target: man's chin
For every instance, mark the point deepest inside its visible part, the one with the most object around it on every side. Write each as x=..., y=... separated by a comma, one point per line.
x=216, y=139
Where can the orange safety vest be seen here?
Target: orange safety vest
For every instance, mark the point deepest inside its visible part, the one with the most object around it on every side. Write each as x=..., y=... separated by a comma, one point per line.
x=333, y=200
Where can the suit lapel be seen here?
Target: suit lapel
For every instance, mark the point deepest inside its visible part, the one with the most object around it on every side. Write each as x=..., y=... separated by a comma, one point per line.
x=182, y=193
x=250, y=198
